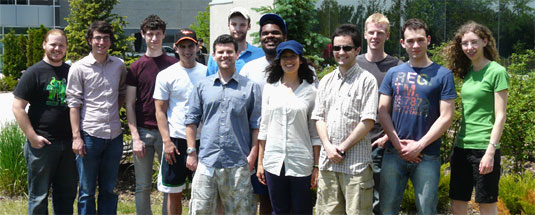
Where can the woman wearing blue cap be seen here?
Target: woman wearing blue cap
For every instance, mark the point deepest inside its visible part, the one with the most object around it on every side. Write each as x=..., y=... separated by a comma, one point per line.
x=289, y=143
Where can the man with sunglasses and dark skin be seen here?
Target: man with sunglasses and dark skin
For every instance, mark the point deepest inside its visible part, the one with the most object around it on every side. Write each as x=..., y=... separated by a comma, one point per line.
x=345, y=111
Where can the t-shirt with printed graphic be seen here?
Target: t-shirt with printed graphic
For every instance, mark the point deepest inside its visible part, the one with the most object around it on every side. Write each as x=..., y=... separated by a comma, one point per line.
x=477, y=96
x=43, y=86
x=416, y=95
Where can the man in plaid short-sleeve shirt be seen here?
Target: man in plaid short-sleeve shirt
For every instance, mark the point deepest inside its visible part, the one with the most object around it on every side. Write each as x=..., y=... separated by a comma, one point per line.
x=346, y=109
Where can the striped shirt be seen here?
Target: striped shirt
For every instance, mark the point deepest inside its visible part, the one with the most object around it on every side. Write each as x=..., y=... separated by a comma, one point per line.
x=343, y=102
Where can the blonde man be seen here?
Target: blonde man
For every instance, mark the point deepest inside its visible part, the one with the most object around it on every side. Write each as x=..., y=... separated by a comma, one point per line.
x=377, y=62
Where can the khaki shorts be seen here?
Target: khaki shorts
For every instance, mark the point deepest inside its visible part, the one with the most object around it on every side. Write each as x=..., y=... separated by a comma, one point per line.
x=230, y=185
x=340, y=193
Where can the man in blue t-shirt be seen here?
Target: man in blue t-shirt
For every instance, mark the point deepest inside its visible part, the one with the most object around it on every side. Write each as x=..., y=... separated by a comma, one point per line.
x=239, y=23
x=415, y=109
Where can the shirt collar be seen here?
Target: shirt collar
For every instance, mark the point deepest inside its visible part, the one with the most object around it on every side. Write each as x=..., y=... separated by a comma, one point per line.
x=354, y=70
x=249, y=49
x=91, y=59
x=236, y=77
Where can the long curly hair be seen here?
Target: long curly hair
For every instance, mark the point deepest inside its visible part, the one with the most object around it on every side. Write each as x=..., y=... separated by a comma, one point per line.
x=304, y=72
x=458, y=62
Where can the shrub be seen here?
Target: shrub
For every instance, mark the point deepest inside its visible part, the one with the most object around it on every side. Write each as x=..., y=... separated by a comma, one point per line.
x=517, y=191
x=519, y=132
x=408, y=204
x=14, y=59
x=13, y=170
x=522, y=63
x=34, y=47
x=8, y=83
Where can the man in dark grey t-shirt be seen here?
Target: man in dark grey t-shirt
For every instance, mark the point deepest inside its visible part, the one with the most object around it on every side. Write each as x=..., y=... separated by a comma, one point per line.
x=377, y=62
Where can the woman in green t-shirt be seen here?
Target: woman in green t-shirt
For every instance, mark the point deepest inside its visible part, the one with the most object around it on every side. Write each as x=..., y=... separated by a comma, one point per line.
x=475, y=160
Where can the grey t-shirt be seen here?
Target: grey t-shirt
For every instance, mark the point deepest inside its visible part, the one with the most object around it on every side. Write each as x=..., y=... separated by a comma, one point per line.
x=378, y=69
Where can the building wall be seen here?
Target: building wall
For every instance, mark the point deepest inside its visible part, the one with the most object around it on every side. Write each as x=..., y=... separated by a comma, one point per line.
x=219, y=10
x=177, y=13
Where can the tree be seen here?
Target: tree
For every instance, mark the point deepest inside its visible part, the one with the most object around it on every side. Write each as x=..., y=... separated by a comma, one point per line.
x=83, y=13
x=14, y=54
x=34, y=48
x=300, y=19
x=202, y=27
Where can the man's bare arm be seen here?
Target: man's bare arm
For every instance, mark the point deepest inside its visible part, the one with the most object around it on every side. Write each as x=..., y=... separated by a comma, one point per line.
x=19, y=110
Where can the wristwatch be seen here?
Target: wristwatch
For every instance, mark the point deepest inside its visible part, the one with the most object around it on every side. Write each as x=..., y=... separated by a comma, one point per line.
x=190, y=150
x=496, y=145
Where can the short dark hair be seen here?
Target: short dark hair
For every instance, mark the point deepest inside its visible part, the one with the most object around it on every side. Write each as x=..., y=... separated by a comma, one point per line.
x=414, y=24
x=304, y=72
x=270, y=21
x=348, y=30
x=152, y=22
x=225, y=39
x=102, y=27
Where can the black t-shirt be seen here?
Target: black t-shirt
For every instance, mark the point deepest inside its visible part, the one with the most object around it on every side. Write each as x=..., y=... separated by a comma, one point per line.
x=378, y=70
x=43, y=86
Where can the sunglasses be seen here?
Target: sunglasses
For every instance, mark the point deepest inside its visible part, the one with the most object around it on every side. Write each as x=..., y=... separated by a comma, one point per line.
x=345, y=48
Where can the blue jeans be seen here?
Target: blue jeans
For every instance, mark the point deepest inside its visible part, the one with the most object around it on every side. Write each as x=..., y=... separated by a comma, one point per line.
x=101, y=162
x=424, y=176
x=53, y=165
x=377, y=158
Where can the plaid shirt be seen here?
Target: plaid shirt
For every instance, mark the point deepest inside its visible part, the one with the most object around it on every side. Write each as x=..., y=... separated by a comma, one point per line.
x=343, y=102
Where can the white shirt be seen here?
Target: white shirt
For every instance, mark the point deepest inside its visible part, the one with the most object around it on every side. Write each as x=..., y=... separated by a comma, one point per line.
x=288, y=129
x=255, y=70
x=175, y=84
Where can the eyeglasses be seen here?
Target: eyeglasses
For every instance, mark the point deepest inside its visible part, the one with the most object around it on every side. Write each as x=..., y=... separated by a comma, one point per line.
x=104, y=38
x=345, y=48
x=474, y=43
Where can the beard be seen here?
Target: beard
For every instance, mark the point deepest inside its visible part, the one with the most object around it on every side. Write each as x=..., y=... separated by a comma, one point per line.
x=239, y=37
x=270, y=51
x=51, y=57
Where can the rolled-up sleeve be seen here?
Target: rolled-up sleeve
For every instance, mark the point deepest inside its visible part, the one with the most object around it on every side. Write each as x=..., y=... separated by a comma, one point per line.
x=256, y=110
x=75, y=87
x=313, y=132
x=369, y=100
x=319, y=108
x=266, y=115
x=194, y=106
x=122, y=82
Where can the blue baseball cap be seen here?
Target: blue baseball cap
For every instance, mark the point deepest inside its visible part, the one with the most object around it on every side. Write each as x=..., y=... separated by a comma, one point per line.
x=276, y=18
x=291, y=45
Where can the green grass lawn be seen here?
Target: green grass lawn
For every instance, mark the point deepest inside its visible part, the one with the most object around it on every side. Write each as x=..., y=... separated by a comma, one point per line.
x=19, y=205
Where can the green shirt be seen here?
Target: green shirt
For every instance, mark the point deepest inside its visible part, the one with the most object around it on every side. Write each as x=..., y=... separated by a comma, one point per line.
x=477, y=96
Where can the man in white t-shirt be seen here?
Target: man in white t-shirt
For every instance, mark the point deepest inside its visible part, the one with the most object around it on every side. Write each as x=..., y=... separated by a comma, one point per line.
x=272, y=33
x=171, y=92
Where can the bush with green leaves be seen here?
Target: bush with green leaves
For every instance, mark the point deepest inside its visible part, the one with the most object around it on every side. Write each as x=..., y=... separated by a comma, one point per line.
x=34, y=47
x=13, y=170
x=14, y=59
x=300, y=17
x=82, y=14
x=8, y=83
x=517, y=191
x=202, y=27
x=518, y=139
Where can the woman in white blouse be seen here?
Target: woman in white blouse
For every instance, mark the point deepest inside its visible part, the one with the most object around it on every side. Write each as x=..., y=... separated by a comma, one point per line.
x=289, y=144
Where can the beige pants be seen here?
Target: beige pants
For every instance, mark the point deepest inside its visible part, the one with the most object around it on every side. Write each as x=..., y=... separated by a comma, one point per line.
x=340, y=193
x=232, y=186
